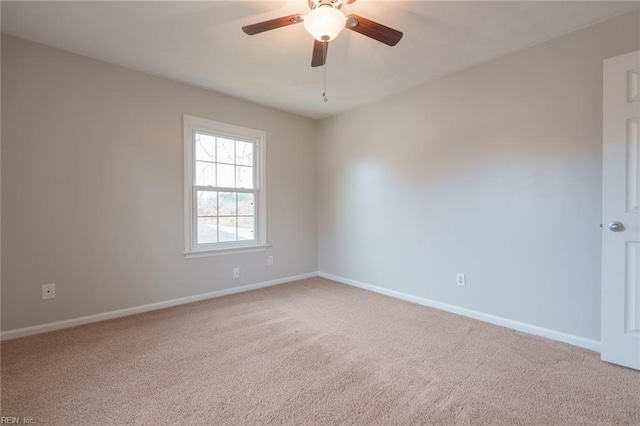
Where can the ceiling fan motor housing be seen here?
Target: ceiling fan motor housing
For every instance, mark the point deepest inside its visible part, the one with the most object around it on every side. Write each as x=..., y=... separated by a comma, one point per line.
x=314, y=4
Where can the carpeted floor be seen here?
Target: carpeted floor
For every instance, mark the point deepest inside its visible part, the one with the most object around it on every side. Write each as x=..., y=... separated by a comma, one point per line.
x=305, y=353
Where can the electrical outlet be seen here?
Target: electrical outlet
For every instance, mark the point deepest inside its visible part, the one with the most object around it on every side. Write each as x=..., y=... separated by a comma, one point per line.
x=236, y=272
x=461, y=279
x=269, y=260
x=48, y=291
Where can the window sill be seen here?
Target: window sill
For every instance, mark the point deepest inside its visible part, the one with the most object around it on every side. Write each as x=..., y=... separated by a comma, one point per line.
x=224, y=251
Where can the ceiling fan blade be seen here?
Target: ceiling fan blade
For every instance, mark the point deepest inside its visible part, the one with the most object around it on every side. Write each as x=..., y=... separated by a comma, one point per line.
x=272, y=24
x=372, y=29
x=319, y=57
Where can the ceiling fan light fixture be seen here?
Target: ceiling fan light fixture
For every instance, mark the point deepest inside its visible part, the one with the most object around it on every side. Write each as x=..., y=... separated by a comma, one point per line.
x=325, y=22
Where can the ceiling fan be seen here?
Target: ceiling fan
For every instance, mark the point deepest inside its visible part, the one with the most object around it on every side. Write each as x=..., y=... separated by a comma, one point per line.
x=324, y=22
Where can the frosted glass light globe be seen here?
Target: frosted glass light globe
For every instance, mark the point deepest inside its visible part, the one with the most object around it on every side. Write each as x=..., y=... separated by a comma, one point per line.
x=325, y=22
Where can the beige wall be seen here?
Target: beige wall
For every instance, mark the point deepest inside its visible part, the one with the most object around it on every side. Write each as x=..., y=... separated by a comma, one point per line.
x=494, y=172
x=92, y=188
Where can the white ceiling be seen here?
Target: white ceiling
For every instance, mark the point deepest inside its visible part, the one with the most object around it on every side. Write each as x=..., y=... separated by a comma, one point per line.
x=202, y=43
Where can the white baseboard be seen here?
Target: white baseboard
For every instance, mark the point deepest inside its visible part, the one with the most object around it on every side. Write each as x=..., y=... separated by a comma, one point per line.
x=58, y=325
x=571, y=339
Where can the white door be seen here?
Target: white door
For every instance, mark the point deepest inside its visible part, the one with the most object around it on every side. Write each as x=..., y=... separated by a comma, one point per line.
x=620, y=341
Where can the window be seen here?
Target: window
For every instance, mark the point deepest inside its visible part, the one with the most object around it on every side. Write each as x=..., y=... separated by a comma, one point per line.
x=225, y=198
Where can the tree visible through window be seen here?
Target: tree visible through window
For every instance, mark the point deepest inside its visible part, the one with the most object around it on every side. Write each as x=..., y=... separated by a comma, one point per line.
x=225, y=185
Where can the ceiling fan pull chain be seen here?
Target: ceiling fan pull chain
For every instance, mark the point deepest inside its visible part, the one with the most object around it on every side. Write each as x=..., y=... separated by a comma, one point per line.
x=324, y=73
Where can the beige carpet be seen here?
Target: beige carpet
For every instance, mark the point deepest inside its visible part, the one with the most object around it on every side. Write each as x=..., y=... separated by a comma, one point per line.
x=311, y=352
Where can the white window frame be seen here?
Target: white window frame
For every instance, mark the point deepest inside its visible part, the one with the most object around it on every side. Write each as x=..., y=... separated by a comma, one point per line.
x=191, y=125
